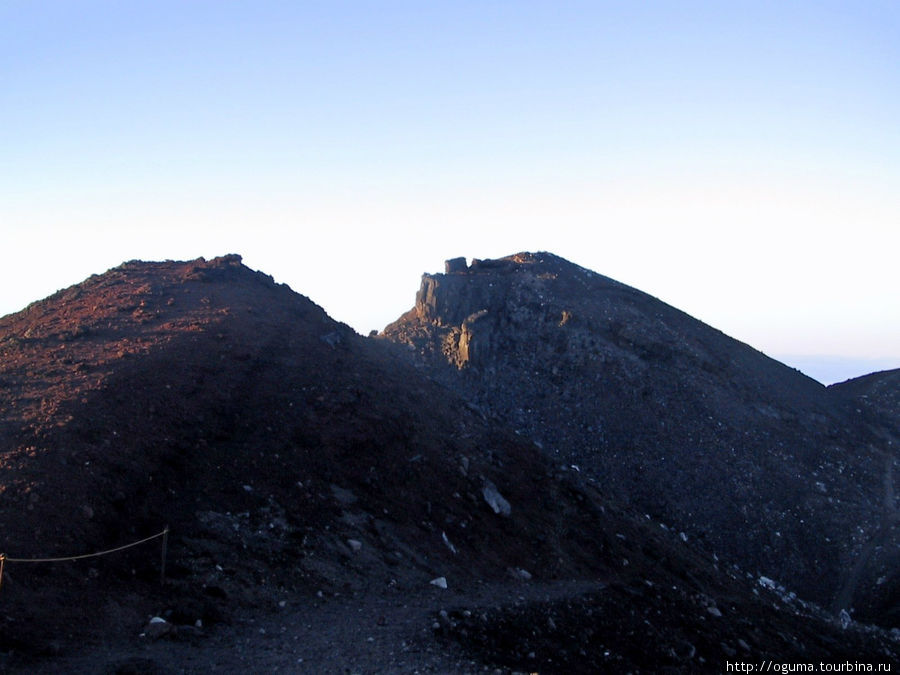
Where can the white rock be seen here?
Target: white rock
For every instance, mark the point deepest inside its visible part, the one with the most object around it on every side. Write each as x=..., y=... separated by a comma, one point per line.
x=449, y=543
x=845, y=619
x=355, y=545
x=440, y=582
x=157, y=628
x=495, y=500
x=766, y=582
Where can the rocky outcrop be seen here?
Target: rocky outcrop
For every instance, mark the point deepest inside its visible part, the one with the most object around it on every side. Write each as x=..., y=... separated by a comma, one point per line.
x=455, y=265
x=762, y=464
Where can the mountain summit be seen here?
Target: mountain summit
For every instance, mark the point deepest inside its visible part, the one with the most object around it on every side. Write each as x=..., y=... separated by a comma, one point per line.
x=768, y=468
x=330, y=507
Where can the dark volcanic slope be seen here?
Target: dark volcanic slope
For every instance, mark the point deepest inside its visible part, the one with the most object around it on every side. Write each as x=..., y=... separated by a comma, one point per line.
x=875, y=400
x=691, y=426
x=205, y=396
x=302, y=466
x=879, y=392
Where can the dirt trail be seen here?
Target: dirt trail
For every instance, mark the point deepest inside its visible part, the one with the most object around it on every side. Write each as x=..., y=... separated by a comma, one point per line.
x=391, y=631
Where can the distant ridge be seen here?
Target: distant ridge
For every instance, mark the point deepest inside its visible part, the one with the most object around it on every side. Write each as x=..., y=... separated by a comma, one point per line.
x=834, y=369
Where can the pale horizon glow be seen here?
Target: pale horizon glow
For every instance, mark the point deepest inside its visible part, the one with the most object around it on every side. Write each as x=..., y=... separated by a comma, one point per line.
x=740, y=161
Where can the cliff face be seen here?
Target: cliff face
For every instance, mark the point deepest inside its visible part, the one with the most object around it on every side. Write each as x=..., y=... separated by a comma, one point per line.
x=696, y=429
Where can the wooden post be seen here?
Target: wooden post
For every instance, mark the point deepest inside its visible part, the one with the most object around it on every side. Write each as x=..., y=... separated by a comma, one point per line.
x=2, y=560
x=162, y=567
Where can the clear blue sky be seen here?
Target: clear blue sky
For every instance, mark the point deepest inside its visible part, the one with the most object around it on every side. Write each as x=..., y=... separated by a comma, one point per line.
x=739, y=160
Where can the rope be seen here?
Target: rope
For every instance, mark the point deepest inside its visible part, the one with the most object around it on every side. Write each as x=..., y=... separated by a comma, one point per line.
x=80, y=557
x=162, y=575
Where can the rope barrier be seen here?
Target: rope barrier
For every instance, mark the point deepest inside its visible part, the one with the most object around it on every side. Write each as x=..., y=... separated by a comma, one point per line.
x=86, y=555
x=165, y=534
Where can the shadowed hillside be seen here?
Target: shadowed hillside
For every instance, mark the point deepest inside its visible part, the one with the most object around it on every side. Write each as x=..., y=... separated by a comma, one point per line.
x=328, y=504
x=760, y=463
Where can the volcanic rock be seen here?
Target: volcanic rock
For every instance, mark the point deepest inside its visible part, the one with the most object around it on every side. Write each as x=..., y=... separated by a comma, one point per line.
x=690, y=426
x=156, y=392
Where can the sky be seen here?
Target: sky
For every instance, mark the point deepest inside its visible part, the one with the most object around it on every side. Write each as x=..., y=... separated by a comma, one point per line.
x=739, y=160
